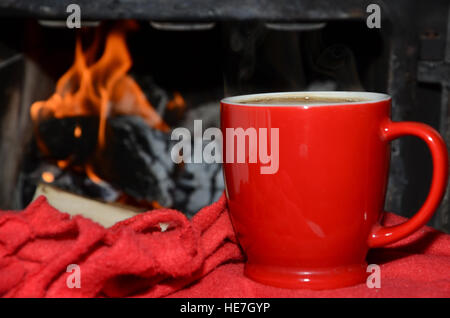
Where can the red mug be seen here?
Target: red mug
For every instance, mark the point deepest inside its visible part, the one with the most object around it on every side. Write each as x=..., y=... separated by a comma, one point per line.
x=308, y=220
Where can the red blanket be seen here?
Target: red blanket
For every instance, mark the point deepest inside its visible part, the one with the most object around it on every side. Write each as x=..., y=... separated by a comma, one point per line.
x=197, y=258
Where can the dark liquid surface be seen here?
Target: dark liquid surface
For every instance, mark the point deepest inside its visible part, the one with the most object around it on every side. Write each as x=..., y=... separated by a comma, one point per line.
x=299, y=100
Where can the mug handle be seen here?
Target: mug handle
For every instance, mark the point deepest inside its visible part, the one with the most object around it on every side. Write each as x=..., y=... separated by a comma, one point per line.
x=391, y=130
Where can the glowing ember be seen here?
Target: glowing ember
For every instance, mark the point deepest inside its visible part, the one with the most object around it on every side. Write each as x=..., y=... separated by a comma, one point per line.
x=48, y=177
x=77, y=131
x=156, y=205
x=62, y=164
x=176, y=102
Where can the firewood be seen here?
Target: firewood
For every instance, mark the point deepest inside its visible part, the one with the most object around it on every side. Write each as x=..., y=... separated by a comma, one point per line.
x=106, y=214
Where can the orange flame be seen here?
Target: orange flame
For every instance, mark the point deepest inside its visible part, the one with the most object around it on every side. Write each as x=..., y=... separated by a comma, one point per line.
x=77, y=132
x=92, y=175
x=102, y=88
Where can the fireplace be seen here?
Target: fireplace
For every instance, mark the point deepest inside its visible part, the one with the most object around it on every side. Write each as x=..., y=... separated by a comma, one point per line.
x=170, y=63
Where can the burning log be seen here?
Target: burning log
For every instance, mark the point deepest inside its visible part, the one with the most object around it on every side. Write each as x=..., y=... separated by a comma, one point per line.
x=73, y=138
x=134, y=159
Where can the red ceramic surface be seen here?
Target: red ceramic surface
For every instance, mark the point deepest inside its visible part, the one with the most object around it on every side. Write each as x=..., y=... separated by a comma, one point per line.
x=310, y=224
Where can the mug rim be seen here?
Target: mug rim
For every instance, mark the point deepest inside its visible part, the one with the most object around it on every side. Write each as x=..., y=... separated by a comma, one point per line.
x=363, y=98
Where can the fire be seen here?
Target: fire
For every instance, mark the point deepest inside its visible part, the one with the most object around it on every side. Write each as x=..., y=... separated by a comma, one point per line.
x=47, y=176
x=62, y=164
x=98, y=87
x=92, y=175
x=101, y=88
x=176, y=102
